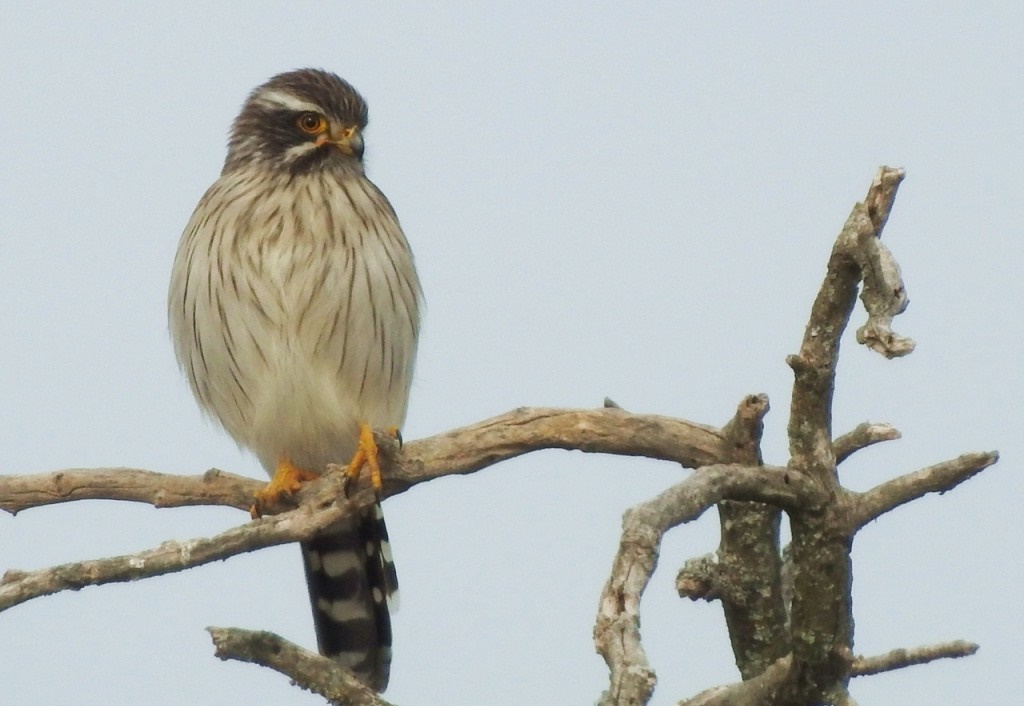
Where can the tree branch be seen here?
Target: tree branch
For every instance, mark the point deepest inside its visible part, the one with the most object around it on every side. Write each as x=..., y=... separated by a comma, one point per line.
x=747, y=576
x=901, y=658
x=459, y=451
x=617, y=628
x=860, y=437
x=607, y=430
x=939, y=478
x=821, y=618
x=765, y=688
x=814, y=366
x=16, y=587
x=215, y=487
x=308, y=670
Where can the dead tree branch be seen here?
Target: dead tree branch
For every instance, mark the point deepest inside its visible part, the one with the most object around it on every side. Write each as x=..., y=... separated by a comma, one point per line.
x=822, y=614
x=16, y=587
x=459, y=451
x=861, y=437
x=309, y=670
x=805, y=659
x=617, y=630
x=901, y=658
x=939, y=478
x=21, y=492
x=749, y=569
x=766, y=687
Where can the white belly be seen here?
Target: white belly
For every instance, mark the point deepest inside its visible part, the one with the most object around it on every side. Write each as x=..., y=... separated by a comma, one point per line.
x=299, y=325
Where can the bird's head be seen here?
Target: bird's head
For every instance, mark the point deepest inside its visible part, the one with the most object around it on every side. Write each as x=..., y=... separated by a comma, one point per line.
x=300, y=121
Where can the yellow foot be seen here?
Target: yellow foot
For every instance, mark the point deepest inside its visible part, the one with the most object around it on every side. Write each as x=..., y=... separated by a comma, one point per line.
x=366, y=455
x=287, y=480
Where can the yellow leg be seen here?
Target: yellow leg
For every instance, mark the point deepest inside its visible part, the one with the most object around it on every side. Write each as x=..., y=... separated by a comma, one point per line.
x=366, y=455
x=287, y=480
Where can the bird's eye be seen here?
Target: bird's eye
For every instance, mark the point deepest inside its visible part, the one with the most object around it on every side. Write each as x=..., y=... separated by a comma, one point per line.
x=311, y=123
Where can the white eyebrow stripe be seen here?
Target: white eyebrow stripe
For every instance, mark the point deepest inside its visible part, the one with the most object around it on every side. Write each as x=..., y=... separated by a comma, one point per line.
x=299, y=150
x=287, y=100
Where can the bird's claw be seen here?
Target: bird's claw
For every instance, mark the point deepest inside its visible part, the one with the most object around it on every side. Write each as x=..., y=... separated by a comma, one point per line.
x=287, y=480
x=367, y=454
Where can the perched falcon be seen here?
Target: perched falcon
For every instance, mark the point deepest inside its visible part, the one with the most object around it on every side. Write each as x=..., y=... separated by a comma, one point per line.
x=294, y=308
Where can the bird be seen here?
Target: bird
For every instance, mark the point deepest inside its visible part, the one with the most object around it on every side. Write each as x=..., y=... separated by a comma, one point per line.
x=294, y=310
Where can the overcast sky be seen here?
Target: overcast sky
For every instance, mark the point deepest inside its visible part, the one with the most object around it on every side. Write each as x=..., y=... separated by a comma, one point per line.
x=625, y=199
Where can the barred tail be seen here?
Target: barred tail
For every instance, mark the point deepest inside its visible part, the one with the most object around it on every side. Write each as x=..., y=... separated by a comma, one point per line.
x=352, y=579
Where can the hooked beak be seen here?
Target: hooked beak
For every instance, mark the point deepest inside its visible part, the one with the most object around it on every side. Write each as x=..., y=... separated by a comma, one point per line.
x=347, y=139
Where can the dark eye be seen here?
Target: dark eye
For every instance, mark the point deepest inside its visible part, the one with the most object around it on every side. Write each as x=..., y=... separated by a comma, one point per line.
x=311, y=123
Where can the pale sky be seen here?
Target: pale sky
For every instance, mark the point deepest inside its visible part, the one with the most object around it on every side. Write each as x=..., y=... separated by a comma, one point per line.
x=626, y=199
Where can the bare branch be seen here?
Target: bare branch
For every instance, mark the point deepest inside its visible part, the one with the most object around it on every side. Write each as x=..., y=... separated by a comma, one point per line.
x=214, y=487
x=898, y=659
x=933, y=479
x=308, y=670
x=742, y=434
x=814, y=366
x=747, y=574
x=860, y=437
x=304, y=523
x=764, y=689
x=822, y=615
x=607, y=430
x=617, y=629
x=459, y=451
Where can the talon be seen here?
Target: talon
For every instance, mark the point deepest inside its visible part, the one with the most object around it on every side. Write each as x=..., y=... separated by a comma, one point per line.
x=397, y=433
x=286, y=481
x=366, y=455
